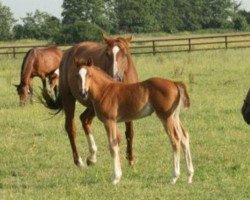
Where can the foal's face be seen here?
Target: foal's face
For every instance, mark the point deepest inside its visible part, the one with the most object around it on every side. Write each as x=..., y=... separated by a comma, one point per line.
x=83, y=82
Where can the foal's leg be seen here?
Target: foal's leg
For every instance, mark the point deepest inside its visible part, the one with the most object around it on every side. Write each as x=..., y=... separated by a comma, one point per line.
x=129, y=137
x=111, y=127
x=86, y=119
x=69, y=109
x=175, y=141
x=187, y=153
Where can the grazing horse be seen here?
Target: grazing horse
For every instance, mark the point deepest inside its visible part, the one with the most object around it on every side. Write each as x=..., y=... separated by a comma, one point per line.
x=114, y=58
x=118, y=102
x=246, y=108
x=41, y=62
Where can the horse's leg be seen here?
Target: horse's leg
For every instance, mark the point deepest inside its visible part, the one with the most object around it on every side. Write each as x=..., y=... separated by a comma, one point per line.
x=186, y=149
x=174, y=136
x=129, y=137
x=113, y=140
x=31, y=90
x=44, y=82
x=86, y=119
x=69, y=110
x=56, y=90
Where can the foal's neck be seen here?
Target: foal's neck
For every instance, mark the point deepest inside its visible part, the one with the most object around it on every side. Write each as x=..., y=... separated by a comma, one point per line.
x=99, y=82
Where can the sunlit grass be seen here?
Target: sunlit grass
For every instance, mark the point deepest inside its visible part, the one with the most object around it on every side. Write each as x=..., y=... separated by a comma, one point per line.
x=36, y=160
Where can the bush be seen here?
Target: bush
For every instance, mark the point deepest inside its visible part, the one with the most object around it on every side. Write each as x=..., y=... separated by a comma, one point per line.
x=240, y=23
x=77, y=32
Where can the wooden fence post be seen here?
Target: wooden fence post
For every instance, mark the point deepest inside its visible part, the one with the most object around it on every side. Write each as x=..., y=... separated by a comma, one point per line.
x=189, y=44
x=153, y=41
x=226, y=43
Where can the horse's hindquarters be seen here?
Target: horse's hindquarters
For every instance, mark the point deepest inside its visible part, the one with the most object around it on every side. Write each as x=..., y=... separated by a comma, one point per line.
x=246, y=113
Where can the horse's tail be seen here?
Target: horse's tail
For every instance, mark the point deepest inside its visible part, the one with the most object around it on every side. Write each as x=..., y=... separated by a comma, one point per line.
x=184, y=97
x=245, y=110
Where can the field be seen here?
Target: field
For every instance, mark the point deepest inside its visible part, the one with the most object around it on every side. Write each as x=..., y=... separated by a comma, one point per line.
x=35, y=155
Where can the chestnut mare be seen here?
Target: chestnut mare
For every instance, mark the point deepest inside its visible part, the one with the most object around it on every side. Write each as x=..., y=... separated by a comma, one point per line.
x=246, y=108
x=118, y=102
x=42, y=62
x=115, y=59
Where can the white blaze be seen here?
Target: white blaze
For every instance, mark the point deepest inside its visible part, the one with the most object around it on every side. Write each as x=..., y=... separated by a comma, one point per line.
x=82, y=73
x=115, y=50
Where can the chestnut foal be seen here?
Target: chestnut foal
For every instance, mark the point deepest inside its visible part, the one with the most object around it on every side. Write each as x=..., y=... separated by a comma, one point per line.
x=119, y=102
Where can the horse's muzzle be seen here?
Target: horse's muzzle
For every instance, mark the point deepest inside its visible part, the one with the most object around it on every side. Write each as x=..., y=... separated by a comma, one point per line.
x=84, y=95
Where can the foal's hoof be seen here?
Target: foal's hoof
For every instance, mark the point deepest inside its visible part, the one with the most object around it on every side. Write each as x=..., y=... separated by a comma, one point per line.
x=90, y=162
x=131, y=163
x=115, y=181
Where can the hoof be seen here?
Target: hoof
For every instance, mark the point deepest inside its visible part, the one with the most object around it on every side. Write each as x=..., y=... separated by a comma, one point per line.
x=79, y=163
x=90, y=162
x=190, y=179
x=115, y=181
x=173, y=180
x=131, y=163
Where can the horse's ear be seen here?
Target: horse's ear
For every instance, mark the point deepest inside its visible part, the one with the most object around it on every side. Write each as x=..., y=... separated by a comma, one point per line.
x=90, y=62
x=106, y=38
x=76, y=61
x=79, y=61
x=16, y=86
x=129, y=39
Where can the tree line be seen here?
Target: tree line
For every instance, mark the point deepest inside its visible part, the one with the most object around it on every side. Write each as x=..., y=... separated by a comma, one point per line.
x=84, y=19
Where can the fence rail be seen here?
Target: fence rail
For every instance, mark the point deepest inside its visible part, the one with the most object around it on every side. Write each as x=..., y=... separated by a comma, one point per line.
x=163, y=45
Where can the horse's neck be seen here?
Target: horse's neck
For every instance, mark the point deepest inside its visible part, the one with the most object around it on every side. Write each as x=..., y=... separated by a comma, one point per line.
x=26, y=69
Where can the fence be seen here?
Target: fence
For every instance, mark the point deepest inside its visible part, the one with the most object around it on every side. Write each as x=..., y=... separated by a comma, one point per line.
x=165, y=45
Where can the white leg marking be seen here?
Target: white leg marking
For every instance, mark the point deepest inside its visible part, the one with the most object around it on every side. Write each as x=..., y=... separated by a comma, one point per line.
x=80, y=163
x=92, y=148
x=176, y=173
x=57, y=71
x=187, y=153
x=117, y=165
x=115, y=50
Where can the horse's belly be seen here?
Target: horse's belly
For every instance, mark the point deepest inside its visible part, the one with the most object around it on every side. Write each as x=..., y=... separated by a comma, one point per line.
x=145, y=111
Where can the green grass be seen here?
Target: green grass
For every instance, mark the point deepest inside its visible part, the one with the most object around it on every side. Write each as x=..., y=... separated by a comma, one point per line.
x=35, y=155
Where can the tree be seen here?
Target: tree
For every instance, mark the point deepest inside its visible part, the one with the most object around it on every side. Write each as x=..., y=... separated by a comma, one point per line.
x=77, y=32
x=39, y=25
x=137, y=16
x=6, y=22
x=94, y=12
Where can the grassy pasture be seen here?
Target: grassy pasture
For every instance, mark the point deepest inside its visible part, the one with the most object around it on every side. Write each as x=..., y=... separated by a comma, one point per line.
x=35, y=155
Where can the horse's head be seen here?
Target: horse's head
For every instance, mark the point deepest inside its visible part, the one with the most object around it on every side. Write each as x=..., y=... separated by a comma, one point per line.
x=23, y=92
x=246, y=108
x=83, y=76
x=118, y=51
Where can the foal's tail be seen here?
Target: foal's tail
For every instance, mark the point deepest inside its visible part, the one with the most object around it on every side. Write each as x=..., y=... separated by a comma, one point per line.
x=183, y=94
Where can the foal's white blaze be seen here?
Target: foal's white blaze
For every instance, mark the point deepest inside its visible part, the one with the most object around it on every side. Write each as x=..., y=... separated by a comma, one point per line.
x=115, y=50
x=82, y=73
